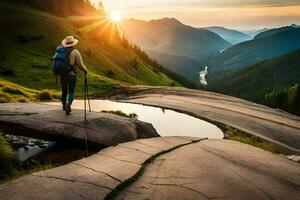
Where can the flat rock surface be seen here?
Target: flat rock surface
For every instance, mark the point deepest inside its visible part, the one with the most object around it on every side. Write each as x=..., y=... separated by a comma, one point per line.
x=206, y=169
x=50, y=123
x=90, y=178
x=217, y=169
x=270, y=124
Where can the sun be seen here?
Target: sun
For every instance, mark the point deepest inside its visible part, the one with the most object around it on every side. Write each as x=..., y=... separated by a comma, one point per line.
x=115, y=16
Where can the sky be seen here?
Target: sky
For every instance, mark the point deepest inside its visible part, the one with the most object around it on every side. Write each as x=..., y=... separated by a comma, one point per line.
x=238, y=14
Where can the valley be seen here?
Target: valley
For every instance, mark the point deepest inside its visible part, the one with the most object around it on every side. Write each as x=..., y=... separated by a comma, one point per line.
x=173, y=104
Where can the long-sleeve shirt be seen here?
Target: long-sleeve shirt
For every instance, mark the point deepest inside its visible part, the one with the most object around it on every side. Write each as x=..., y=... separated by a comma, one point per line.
x=76, y=56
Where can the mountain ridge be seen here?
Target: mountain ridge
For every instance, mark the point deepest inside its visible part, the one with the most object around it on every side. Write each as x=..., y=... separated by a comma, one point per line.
x=232, y=36
x=254, y=51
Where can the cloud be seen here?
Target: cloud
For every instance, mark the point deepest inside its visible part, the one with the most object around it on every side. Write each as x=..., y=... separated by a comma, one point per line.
x=203, y=3
x=231, y=13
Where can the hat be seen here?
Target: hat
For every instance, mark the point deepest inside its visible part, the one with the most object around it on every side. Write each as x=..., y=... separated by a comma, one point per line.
x=69, y=41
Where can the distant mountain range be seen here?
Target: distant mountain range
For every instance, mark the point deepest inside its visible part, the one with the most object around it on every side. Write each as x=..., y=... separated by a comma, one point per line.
x=253, y=33
x=277, y=30
x=266, y=45
x=232, y=36
x=168, y=39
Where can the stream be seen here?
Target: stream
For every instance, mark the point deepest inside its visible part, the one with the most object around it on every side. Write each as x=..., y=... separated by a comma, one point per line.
x=203, y=74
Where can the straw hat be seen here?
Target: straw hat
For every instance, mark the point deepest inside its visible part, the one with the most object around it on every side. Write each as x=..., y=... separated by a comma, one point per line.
x=69, y=41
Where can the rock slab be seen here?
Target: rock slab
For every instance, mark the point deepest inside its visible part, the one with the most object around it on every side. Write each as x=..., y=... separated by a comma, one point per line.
x=217, y=169
x=90, y=178
x=207, y=169
x=273, y=125
x=50, y=123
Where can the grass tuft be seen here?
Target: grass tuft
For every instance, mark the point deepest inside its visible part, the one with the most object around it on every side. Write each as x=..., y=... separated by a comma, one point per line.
x=6, y=159
x=120, y=113
x=234, y=134
x=45, y=95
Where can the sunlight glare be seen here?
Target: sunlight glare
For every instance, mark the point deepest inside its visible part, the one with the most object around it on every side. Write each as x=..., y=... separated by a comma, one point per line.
x=115, y=16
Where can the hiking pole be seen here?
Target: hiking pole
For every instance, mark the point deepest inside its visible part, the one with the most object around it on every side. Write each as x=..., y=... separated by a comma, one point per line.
x=87, y=93
x=85, y=99
x=85, y=118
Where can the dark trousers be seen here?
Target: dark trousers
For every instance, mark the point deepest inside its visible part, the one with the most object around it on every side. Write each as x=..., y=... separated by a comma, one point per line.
x=68, y=83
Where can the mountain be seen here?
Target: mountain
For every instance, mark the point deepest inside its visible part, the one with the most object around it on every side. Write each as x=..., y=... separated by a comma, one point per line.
x=168, y=39
x=276, y=30
x=263, y=81
x=254, y=51
x=29, y=37
x=253, y=33
x=232, y=36
x=295, y=26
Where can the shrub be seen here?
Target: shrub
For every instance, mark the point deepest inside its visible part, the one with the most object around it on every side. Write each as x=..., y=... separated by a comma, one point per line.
x=25, y=39
x=6, y=159
x=6, y=72
x=109, y=73
x=22, y=100
x=120, y=113
x=4, y=98
x=11, y=90
x=89, y=53
x=45, y=95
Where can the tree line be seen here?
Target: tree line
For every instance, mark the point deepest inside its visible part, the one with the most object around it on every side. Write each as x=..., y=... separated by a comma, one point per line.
x=157, y=67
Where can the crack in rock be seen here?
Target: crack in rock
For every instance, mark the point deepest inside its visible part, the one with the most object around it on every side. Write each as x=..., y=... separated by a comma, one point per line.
x=123, y=185
x=149, y=145
x=72, y=181
x=181, y=186
x=121, y=145
x=82, y=196
x=108, y=156
x=262, y=172
x=17, y=114
x=98, y=171
x=250, y=182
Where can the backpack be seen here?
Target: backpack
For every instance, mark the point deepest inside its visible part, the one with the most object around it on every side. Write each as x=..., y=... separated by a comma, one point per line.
x=62, y=64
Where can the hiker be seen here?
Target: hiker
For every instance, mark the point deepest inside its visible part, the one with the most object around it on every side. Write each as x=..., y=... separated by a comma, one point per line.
x=66, y=61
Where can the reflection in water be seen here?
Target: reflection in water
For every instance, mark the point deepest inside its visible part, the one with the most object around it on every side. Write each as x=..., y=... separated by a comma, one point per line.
x=166, y=122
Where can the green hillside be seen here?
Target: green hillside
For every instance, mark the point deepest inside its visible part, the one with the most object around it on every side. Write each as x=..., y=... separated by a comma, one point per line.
x=29, y=37
x=287, y=99
x=264, y=82
x=255, y=51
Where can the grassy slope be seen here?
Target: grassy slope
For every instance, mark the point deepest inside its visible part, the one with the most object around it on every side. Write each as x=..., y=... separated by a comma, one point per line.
x=29, y=38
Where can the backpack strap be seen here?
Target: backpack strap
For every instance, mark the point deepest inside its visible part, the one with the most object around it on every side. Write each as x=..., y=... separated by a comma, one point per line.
x=69, y=53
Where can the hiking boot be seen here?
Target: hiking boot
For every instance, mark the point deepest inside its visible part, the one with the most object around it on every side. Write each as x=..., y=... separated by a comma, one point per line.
x=68, y=109
x=64, y=107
